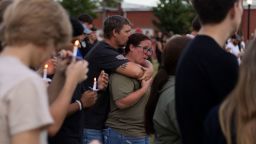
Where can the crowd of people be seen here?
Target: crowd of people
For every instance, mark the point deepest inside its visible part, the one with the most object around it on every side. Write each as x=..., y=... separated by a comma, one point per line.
x=59, y=84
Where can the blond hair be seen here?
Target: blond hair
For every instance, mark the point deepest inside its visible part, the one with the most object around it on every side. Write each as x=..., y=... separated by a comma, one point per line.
x=238, y=112
x=40, y=22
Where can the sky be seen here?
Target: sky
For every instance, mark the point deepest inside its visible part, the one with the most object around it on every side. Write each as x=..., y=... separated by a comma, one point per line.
x=143, y=2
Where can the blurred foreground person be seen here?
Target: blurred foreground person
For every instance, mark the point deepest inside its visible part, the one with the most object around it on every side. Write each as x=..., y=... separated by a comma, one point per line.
x=234, y=121
x=206, y=72
x=31, y=34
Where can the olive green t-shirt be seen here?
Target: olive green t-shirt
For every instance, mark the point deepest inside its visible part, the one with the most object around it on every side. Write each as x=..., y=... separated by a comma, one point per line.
x=128, y=121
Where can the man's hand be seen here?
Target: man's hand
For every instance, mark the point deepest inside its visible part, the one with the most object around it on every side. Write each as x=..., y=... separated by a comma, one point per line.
x=148, y=73
x=148, y=69
x=88, y=98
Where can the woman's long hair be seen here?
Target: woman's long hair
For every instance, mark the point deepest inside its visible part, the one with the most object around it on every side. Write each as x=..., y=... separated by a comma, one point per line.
x=170, y=58
x=238, y=112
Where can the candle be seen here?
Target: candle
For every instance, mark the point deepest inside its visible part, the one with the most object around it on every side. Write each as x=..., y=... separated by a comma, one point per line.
x=75, y=49
x=94, y=88
x=45, y=71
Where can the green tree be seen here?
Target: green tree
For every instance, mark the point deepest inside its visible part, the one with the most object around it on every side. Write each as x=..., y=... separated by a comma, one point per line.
x=110, y=3
x=77, y=7
x=174, y=15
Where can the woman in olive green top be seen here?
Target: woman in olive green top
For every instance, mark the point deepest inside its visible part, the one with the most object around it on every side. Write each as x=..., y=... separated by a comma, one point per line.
x=160, y=115
x=128, y=98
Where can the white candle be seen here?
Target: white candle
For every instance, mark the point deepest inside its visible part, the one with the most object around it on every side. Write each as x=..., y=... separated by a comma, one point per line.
x=75, y=49
x=45, y=71
x=94, y=88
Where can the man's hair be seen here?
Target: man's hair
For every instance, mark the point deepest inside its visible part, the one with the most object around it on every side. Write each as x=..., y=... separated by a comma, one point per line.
x=77, y=27
x=135, y=39
x=116, y=23
x=85, y=18
x=94, y=28
x=39, y=22
x=212, y=11
x=196, y=25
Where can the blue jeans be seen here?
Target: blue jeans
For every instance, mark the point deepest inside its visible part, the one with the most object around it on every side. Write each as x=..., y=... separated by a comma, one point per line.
x=92, y=134
x=113, y=137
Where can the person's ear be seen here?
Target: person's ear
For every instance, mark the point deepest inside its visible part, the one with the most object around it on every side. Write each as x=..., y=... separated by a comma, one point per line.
x=132, y=47
x=115, y=33
x=234, y=9
x=232, y=12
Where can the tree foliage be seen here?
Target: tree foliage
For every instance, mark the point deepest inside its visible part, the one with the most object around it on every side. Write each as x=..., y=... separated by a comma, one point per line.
x=77, y=7
x=111, y=3
x=174, y=16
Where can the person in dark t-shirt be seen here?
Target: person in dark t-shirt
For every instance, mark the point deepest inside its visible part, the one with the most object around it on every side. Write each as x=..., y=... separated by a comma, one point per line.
x=206, y=73
x=71, y=129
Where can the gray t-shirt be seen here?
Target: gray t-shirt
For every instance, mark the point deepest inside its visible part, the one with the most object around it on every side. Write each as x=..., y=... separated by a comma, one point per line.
x=128, y=121
x=23, y=100
x=165, y=122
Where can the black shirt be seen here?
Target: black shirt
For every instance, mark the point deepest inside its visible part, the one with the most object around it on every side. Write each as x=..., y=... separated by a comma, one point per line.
x=71, y=129
x=213, y=133
x=206, y=73
x=108, y=59
x=86, y=47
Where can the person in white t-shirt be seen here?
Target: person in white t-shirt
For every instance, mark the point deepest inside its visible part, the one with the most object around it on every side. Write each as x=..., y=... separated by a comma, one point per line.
x=31, y=32
x=233, y=47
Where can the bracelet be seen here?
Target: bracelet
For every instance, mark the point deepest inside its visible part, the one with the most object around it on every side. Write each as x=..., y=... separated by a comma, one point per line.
x=80, y=104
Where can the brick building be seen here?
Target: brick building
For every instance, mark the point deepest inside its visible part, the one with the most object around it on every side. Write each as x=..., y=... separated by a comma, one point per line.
x=244, y=25
x=142, y=17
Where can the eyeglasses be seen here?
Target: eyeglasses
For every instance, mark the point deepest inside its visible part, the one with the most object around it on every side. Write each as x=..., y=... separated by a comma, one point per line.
x=146, y=49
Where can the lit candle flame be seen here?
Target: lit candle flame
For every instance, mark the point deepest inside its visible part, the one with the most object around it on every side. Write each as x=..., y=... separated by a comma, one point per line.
x=75, y=50
x=94, y=88
x=76, y=43
x=46, y=66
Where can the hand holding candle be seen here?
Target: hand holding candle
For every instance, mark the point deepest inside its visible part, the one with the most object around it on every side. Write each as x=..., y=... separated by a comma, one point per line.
x=75, y=50
x=45, y=72
x=102, y=80
x=94, y=88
